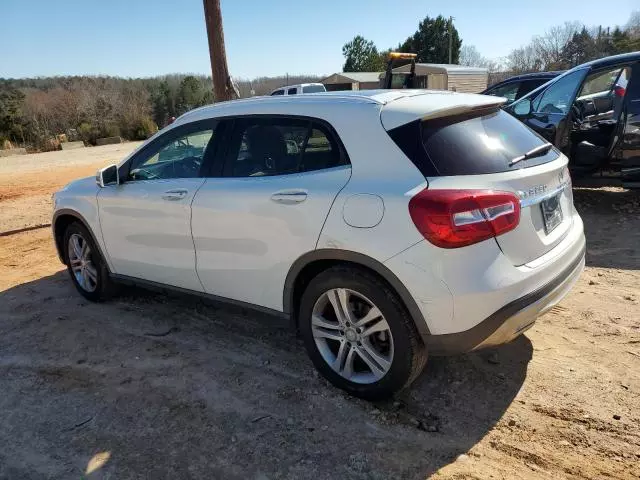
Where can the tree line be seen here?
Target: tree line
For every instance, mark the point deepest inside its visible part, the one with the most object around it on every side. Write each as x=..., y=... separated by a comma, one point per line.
x=561, y=47
x=35, y=111
x=571, y=44
x=430, y=43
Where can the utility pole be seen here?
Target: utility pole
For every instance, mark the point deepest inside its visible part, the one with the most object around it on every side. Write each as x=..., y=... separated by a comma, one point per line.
x=450, y=38
x=222, y=87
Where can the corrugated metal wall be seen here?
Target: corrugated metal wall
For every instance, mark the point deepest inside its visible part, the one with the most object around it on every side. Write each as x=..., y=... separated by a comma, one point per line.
x=467, y=83
x=437, y=81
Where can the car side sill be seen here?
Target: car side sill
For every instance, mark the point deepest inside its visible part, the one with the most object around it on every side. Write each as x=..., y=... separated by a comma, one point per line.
x=156, y=286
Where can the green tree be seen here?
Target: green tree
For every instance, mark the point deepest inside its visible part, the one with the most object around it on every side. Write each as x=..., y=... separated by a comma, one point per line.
x=431, y=41
x=192, y=94
x=580, y=49
x=622, y=42
x=361, y=55
x=162, y=106
x=10, y=112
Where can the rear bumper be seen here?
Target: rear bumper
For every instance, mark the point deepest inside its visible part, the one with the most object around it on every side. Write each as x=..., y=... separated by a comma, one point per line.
x=511, y=320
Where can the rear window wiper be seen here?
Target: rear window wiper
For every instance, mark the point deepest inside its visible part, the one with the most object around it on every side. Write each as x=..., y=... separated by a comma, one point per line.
x=538, y=151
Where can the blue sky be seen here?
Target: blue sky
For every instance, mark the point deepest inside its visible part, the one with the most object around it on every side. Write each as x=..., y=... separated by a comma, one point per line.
x=263, y=37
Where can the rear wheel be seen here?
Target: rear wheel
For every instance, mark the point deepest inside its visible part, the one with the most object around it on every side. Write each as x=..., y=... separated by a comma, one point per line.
x=358, y=334
x=86, y=266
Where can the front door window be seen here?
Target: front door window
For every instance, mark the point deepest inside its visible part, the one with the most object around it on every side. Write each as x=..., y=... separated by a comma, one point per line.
x=178, y=158
x=558, y=97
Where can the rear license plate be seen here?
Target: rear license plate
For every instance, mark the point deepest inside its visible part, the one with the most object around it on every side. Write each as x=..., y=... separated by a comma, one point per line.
x=551, y=213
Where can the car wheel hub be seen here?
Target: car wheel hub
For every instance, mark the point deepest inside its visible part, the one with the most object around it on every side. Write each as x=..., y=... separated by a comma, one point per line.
x=352, y=335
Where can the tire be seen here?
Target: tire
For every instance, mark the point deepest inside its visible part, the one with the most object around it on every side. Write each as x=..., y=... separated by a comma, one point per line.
x=399, y=352
x=93, y=268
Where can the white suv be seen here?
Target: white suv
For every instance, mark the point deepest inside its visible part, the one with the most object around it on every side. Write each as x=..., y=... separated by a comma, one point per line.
x=387, y=225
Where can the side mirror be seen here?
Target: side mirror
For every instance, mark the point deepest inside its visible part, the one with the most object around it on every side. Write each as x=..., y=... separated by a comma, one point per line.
x=107, y=176
x=522, y=108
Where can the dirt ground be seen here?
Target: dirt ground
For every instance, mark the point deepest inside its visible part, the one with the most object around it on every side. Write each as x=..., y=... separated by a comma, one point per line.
x=155, y=386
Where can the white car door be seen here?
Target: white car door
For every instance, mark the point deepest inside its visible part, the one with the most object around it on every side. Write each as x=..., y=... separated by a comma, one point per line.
x=146, y=219
x=279, y=181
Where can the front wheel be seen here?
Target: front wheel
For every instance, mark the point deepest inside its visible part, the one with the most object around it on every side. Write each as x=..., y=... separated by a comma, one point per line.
x=86, y=266
x=358, y=334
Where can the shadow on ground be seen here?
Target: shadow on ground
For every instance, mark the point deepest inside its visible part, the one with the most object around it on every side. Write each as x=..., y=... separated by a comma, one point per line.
x=612, y=226
x=177, y=388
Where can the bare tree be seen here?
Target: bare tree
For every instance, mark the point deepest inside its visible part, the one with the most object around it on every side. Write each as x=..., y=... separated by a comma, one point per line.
x=549, y=47
x=524, y=59
x=633, y=25
x=471, y=57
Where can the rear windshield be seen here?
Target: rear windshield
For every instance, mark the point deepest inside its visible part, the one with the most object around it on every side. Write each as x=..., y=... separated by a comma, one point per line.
x=313, y=89
x=469, y=144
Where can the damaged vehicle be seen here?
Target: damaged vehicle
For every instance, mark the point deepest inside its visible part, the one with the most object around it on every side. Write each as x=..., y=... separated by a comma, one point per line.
x=592, y=114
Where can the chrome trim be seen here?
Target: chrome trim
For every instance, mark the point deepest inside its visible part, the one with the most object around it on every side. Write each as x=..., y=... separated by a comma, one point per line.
x=510, y=209
x=527, y=202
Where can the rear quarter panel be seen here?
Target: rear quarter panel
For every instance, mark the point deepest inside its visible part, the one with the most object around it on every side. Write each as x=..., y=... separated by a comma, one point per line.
x=378, y=168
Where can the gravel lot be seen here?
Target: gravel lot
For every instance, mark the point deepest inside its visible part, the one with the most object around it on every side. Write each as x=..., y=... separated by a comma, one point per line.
x=156, y=386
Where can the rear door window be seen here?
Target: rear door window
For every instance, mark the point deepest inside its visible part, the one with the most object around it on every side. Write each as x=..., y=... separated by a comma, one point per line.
x=509, y=91
x=529, y=86
x=469, y=144
x=292, y=91
x=281, y=146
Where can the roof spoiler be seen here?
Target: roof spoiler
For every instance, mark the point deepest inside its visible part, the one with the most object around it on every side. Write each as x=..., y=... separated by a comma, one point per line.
x=464, y=109
x=429, y=105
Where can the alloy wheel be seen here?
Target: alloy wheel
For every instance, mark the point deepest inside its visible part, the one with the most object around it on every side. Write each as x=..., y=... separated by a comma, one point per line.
x=352, y=335
x=80, y=262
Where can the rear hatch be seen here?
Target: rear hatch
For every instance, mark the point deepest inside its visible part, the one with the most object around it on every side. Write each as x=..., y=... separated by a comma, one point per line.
x=485, y=148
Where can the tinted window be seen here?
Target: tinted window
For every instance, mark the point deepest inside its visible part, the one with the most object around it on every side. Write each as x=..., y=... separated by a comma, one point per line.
x=558, y=97
x=278, y=92
x=280, y=147
x=319, y=152
x=469, y=145
x=313, y=89
x=177, y=158
x=508, y=91
x=292, y=91
x=529, y=85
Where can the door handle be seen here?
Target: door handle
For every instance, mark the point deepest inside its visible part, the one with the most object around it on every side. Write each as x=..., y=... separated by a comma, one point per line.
x=289, y=197
x=173, y=195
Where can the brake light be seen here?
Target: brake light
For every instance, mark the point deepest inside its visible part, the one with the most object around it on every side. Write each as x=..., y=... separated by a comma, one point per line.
x=457, y=218
x=619, y=91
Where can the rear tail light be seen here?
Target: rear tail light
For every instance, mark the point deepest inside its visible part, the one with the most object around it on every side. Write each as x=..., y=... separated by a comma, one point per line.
x=457, y=218
x=619, y=91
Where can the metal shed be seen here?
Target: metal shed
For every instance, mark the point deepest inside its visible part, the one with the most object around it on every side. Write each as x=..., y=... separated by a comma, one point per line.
x=436, y=76
x=352, y=81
